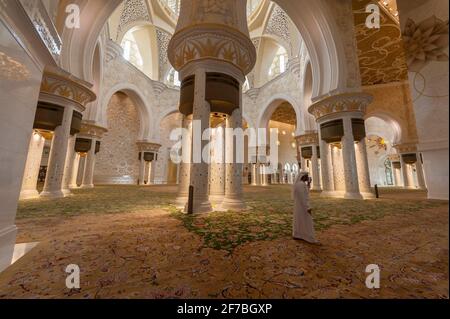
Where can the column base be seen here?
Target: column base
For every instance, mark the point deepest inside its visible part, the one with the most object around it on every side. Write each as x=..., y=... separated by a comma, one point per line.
x=232, y=204
x=7, y=243
x=181, y=202
x=200, y=207
x=353, y=196
x=29, y=194
x=52, y=194
x=332, y=194
x=316, y=189
x=87, y=186
x=67, y=192
x=409, y=187
x=368, y=195
x=73, y=186
x=216, y=199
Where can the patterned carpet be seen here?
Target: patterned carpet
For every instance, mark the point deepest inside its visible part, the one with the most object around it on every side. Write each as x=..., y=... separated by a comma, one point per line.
x=131, y=243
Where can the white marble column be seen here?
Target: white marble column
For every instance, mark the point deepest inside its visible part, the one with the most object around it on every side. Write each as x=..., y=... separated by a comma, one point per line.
x=68, y=167
x=74, y=175
x=254, y=174
x=142, y=169
x=217, y=187
x=327, y=175
x=352, y=190
x=397, y=172
x=57, y=158
x=89, y=167
x=233, y=183
x=363, y=169
x=407, y=174
x=151, y=171
x=420, y=175
x=199, y=167
x=263, y=175
x=33, y=164
x=303, y=164
x=316, y=186
x=185, y=165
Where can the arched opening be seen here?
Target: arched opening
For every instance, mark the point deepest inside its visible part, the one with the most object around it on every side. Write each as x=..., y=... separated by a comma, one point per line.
x=280, y=119
x=381, y=137
x=272, y=61
x=118, y=162
x=165, y=170
x=140, y=49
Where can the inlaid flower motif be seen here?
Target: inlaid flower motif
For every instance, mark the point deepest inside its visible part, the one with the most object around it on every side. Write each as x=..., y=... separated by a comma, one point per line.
x=425, y=42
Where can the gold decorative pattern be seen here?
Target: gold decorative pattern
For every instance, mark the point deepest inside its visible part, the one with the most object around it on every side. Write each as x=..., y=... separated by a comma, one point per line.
x=91, y=130
x=13, y=70
x=377, y=144
x=60, y=83
x=148, y=146
x=381, y=53
x=406, y=148
x=210, y=41
x=394, y=158
x=348, y=102
x=307, y=139
x=285, y=113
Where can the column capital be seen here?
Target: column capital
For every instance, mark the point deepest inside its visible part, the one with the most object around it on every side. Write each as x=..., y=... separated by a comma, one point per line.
x=406, y=148
x=91, y=130
x=213, y=33
x=145, y=146
x=60, y=87
x=341, y=103
x=311, y=138
x=394, y=158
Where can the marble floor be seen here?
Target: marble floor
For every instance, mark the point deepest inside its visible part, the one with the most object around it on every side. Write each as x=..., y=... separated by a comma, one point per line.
x=129, y=242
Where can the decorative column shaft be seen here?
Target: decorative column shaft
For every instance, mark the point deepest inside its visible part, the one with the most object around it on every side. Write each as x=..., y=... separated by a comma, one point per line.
x=89, y=167
x=185, y=165
x=350, y=167
x=141, y=169
x=200, y=168
x=327, y=175
x=218, y=168
x=68, y=168
x=57, y=158
x=363, y=169
x=420, y=175
x=316, y=186
x=33, y=164
x=254, y=174
x=74, y=175
x=233, y=184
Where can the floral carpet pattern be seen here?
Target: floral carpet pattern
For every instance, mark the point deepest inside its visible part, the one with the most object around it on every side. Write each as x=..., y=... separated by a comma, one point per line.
x=129, y=242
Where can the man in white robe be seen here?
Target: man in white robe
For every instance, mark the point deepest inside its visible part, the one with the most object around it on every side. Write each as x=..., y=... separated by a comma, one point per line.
x=303, y=226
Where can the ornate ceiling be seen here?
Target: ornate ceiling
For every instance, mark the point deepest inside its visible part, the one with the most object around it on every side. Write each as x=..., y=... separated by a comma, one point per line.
x=285, y=113
x=381, y=52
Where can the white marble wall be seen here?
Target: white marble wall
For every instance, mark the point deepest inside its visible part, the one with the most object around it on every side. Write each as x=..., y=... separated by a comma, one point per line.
x=429, y=86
